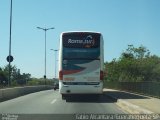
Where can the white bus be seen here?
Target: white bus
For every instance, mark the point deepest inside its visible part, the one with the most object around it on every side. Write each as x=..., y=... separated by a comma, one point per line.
x=81, y=59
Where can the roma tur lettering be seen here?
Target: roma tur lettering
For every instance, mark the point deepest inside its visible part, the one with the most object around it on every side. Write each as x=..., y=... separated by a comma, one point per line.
x=75, y=41
x=80, y=41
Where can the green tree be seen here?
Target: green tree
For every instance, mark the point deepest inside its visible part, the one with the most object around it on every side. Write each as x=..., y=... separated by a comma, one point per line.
x=3, y=78
x=16, y=77
x=135, y=53
x=134, y=64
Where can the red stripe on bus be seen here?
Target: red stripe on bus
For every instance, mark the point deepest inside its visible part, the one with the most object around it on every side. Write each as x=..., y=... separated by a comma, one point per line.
x=66, y=72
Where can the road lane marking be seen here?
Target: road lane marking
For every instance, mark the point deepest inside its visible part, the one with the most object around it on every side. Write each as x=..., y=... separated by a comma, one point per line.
x=53, y=101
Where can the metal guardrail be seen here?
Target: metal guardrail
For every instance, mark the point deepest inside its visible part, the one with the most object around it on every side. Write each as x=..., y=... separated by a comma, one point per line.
x=146, y=88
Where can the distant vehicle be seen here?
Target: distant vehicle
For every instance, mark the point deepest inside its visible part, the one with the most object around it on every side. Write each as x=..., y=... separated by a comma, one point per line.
x=81, y=59
x=56, y=86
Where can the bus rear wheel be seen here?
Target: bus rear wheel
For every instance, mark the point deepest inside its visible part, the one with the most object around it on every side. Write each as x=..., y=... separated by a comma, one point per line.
x=63, y=97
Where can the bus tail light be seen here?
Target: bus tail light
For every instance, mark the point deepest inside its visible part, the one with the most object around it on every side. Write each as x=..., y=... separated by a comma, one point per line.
x=60, y=75
x=101, y=75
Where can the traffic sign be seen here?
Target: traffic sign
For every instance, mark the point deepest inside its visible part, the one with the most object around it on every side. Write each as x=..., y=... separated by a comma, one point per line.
x=44, y=76
x=10, y=58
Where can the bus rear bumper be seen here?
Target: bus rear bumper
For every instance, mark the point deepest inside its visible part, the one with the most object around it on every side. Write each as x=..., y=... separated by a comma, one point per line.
x=81, y=89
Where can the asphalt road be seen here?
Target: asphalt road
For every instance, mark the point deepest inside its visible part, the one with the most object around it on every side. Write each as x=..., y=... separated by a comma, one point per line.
x=49, y=104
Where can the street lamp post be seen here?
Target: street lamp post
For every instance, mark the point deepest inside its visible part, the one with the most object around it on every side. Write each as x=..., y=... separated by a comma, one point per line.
x=45, y=30
x=55, y=59
x=9, y=57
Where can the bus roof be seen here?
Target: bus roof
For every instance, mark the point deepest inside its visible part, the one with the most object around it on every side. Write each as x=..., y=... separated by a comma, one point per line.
x=80, y=31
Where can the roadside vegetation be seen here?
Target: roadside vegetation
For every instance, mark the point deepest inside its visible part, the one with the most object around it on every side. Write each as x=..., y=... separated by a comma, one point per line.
x=134, y=65
x=18, y=79
x=136, y=70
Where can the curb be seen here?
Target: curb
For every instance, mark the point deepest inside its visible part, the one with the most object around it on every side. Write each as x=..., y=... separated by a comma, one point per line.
x=132, y=108
x=129, y=107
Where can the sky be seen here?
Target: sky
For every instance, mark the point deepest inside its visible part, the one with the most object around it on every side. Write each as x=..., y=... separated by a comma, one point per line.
x=121, y=22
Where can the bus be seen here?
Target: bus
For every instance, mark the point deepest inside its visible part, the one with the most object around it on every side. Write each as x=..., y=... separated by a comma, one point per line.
x=81, y=58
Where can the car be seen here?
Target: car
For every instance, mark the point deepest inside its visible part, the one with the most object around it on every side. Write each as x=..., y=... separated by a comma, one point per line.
x=56, y=86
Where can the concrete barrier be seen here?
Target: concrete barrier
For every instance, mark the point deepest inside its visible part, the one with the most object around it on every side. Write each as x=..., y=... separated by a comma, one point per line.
x=10, y=93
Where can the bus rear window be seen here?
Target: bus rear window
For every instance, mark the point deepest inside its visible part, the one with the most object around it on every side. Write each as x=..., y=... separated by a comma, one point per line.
x=76, y=53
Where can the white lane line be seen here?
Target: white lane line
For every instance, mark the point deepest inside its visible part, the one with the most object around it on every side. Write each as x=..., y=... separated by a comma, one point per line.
x=53, y=101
